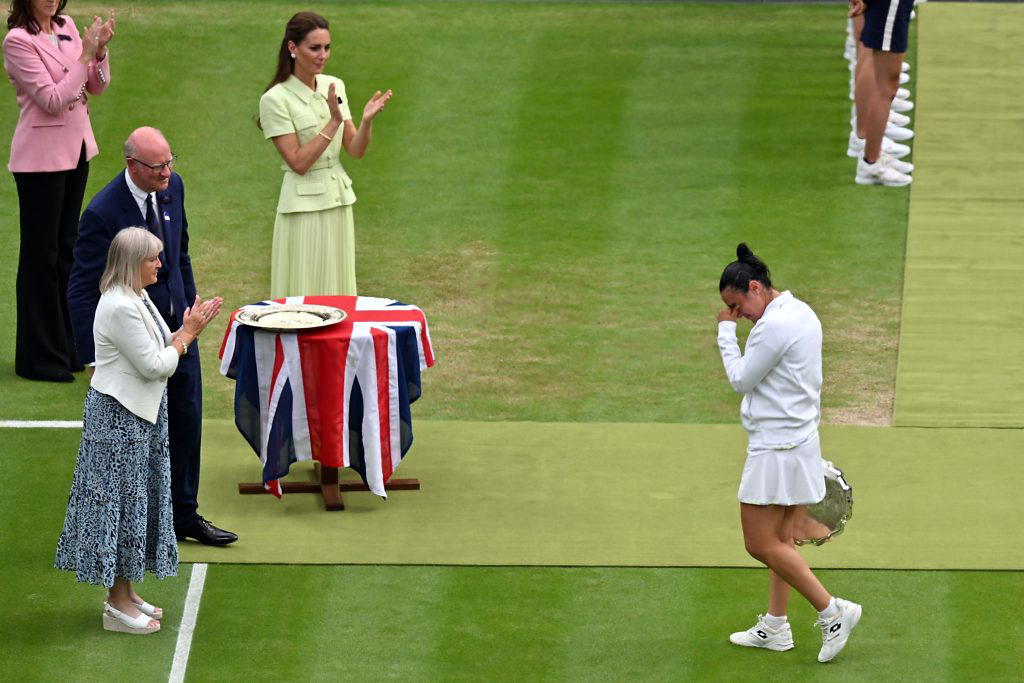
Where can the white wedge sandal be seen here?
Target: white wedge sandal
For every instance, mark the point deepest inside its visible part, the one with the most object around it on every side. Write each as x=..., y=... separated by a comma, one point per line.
x=115, y=620
x=149, y=610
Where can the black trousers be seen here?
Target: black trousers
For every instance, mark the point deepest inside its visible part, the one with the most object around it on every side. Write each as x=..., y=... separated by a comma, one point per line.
x=50, y=205
x=184, y=427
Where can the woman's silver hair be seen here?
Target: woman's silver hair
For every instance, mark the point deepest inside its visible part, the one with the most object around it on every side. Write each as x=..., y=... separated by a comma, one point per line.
x=129, y=248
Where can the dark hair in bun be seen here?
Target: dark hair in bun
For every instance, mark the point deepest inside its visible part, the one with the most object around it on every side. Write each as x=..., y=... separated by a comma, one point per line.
x=738, y=274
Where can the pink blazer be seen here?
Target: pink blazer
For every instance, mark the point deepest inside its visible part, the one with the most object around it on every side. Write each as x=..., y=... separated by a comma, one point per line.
x=51, y=86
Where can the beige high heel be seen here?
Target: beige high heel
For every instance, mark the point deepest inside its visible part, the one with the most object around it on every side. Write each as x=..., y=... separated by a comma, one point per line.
x=115, y=620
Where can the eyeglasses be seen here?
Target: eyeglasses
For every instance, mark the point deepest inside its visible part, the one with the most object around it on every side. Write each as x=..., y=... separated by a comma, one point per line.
x=158, y=168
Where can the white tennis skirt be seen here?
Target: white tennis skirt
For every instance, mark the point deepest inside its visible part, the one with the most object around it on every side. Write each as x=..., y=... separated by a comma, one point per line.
x=790, y=476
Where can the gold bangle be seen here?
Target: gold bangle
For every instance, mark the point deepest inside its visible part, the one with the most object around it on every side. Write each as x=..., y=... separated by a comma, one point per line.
x=325, y=136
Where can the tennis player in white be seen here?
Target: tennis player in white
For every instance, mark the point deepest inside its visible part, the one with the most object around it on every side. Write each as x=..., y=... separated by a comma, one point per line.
x=779, y=375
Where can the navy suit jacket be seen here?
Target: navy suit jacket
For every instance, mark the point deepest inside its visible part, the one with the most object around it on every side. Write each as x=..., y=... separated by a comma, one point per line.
x=112, y=209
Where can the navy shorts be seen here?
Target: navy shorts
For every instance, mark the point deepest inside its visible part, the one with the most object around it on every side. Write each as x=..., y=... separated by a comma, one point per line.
x=886, y=25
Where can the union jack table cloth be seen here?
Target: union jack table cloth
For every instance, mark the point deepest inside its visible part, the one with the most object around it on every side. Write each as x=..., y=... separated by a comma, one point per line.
x=338, y=394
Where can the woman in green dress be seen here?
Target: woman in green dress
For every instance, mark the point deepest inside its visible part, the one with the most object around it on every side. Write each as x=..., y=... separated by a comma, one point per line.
x=306, y=115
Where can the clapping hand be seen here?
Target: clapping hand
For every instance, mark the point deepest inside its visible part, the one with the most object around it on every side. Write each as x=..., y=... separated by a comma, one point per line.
x=332, y=103
x=104, y=34
x=857, y=7
x=376, y=104
x=95, y=38
x=197, y=316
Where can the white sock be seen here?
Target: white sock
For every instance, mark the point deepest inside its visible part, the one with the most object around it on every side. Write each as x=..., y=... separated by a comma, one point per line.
x=831, y=611
x=774, y=622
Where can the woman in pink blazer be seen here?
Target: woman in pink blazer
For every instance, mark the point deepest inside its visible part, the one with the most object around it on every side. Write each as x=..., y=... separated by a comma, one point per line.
x=53, y=70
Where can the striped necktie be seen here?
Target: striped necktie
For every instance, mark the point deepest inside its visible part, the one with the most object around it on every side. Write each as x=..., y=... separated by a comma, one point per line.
x=152, y=221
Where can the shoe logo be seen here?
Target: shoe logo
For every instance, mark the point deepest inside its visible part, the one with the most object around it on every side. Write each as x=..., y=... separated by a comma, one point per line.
x=835, y=627
x=762, y=635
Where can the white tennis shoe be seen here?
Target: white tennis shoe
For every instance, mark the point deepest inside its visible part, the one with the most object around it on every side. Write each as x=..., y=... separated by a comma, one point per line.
x=895, y=118
x=898, y=132
x=902, y=94
x=898, y=119
x=901, y=166
x=880, y=173
x=762, y=635
x=902, y=105
x=855, y=147
x=836, y=631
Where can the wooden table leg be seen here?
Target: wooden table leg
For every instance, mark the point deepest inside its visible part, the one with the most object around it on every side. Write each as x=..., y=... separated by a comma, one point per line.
x=329, y=486
x=328, y=477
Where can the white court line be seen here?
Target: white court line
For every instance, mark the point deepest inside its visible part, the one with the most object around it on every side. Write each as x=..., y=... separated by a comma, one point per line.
x=30, y=424
x=188, y=623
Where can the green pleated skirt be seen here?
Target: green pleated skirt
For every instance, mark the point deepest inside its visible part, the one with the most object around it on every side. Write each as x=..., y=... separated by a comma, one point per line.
x=314, y=253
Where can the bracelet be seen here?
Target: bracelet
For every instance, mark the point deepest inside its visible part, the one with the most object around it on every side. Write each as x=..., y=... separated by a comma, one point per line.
x=184, y=346
x=325, y=136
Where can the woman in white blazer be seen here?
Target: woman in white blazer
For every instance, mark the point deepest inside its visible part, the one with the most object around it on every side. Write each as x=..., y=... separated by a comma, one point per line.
x=779, y=375
x=119, y=522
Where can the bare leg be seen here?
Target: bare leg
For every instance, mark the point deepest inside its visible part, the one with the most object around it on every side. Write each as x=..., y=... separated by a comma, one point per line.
x=778, y=595
x=120, y=598
x=886, y=69
x=864, y=77
x=778, y=589
x=764, y=529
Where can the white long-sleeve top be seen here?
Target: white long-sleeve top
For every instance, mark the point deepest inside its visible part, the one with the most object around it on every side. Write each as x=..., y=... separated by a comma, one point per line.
x=779, y=373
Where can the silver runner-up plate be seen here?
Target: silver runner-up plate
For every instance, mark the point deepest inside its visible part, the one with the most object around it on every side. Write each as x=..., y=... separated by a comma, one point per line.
x=827, y=518
x=289, y=317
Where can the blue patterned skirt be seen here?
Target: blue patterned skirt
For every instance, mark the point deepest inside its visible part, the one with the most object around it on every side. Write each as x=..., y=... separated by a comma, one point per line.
x=119, y=521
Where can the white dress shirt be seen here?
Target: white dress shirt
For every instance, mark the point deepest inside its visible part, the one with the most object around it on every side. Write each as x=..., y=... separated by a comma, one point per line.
x=779, y=374
x=141, y=197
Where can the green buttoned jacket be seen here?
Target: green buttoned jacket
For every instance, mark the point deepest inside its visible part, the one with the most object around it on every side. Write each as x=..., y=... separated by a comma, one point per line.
x=291, y=107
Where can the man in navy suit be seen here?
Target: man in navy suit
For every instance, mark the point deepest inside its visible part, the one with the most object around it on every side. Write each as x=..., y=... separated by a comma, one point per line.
x=149, y=194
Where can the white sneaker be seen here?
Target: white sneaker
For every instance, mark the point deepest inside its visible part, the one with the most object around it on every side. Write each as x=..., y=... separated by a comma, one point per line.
x=902, y=94
x=904, y=77
x=836, y=631
x=904, y=167
x=896, y=149
x=901, y=104
x=898, y=132
x=880, y=173
x=895, y=129
x=855, y=148
x=761, y=635
x=904, y=66
x=897, y=119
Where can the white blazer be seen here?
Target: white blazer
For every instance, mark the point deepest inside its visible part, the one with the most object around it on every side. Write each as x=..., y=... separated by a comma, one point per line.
x=133, y=359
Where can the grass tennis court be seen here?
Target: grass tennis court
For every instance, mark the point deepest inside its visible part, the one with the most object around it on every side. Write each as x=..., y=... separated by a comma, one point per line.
x=558, y=185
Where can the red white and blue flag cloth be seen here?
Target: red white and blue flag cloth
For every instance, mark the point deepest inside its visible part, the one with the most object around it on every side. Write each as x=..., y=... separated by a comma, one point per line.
x=338, y=394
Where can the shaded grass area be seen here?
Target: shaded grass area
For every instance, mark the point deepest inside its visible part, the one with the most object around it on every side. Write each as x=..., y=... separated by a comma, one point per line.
x=557, y=186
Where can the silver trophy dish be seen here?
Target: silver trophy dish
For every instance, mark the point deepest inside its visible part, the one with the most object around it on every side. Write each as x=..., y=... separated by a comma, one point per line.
x=827, y=518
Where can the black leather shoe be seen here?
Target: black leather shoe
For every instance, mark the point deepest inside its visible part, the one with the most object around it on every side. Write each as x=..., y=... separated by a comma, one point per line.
x=205, y=533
